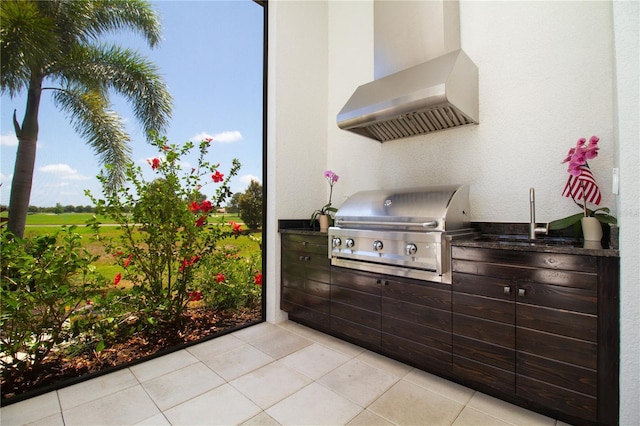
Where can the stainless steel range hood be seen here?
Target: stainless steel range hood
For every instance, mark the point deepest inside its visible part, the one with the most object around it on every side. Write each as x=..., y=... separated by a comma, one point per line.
x=425, y=96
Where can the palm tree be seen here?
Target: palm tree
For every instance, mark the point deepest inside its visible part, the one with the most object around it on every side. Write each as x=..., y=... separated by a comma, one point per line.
x=57, y=41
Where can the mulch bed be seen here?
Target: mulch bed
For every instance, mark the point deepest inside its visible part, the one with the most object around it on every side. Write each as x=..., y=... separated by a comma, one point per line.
x=59, y=368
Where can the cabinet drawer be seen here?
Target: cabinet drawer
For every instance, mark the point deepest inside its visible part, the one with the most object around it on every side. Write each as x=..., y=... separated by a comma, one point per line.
x=554, y=296
x=564, y=278
x=488, y=331
x=483, y=286
x=486, y=353
x=567, y=262
x=484, y=307
x=305, y=258
x=309, y=243
x=561, y=322
x=559, y=348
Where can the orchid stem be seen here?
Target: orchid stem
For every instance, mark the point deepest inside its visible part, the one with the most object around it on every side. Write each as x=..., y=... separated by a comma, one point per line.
x=584, y=200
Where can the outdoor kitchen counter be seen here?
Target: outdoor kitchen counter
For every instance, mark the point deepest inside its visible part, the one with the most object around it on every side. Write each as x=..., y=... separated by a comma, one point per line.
x=557, y=246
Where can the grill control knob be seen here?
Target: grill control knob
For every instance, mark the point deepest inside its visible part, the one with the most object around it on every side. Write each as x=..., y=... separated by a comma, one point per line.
x=410, y=249
x=377, y=245
x=350, y=243
x=336, y=242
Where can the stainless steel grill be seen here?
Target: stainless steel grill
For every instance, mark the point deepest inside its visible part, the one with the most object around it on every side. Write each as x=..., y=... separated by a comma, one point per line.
x=404, y=232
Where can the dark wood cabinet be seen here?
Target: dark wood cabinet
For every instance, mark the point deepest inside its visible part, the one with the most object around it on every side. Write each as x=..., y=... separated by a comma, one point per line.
x=416, y=323
x=305, y=279
x=355, y=306
x=536, y=326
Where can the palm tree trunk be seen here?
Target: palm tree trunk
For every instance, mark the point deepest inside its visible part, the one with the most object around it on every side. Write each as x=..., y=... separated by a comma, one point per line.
x=25, y=161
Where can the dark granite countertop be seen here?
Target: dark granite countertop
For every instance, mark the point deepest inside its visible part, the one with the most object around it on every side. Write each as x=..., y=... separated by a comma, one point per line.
x=502, y=242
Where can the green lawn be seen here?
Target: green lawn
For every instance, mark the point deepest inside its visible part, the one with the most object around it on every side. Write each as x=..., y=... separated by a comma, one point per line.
x=44, y=223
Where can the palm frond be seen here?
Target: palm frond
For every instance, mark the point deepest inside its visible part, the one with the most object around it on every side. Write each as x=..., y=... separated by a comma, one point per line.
x=125, y=72
x=25, y=42
x=103, y=129
x=91, y=19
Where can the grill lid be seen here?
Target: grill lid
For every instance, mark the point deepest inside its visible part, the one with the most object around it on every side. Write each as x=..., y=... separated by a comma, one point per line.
x=431, y=208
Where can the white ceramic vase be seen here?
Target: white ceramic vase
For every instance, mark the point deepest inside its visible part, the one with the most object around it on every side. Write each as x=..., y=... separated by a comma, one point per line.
x=324, y=222
x=591, y=229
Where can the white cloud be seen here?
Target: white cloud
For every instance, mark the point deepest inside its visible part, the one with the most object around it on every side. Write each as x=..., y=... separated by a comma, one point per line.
x=222, y=137
x=63, y=171
x=9, y=139
x=246, y=179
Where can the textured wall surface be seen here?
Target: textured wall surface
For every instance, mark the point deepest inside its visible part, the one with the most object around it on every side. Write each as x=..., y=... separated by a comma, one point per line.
x=550, y=73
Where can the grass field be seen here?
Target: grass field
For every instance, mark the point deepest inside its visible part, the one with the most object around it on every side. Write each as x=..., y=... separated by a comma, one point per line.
x=38, y=219
x=45, y=223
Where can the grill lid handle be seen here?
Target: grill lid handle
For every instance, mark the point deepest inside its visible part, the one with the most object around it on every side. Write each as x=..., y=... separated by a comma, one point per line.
x=429, y=224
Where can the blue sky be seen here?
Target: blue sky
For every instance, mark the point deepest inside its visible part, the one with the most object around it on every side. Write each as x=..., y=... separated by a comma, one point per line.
x=211, y=59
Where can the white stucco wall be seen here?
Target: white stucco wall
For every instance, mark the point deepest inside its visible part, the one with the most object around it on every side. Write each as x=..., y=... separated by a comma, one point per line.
x=626, y=17
x=550, y=72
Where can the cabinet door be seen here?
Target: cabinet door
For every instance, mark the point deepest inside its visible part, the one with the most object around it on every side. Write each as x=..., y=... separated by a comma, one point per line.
x=416, y=323
x=305, y=279
x=355, y=306
x=484, y=329
x=557, y=350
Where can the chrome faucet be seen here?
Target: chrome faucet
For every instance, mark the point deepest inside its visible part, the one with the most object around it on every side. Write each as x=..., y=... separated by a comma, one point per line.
x=533, y=226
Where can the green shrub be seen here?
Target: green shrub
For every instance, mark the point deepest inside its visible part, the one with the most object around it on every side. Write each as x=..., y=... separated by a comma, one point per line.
x=166, y=230
x=228, y=281
x=45, y=281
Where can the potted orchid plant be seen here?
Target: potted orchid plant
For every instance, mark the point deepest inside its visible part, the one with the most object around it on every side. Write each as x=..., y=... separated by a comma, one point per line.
x=581, y=186
x=323, y=215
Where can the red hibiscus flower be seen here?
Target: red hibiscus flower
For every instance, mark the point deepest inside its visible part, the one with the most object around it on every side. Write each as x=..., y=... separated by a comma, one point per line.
x=237, y=228
x=155, y=162
x=217, y=176
x=194, y=207
x=257, y=279
x=200, y=221
x=206, y=206
x=117, y=279
x=127, y=261
x=220, y=277
x=194, y=296
x=184, y=265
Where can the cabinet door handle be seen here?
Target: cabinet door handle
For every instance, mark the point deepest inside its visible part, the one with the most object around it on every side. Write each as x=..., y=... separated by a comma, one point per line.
x=507, y=290
x=521, y=292
x=304, y=258
x=382, y=282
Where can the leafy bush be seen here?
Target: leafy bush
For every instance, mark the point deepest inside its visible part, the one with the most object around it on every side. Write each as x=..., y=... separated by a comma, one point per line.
x=228, y=281
x=44, y=283
x=167, y=232
x=250, y=205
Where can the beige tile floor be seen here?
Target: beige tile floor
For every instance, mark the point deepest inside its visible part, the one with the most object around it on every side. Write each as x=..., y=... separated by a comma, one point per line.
x=269, y=374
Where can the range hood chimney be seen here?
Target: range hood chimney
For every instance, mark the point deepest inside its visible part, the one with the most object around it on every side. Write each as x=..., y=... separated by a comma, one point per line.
x=424, y=81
